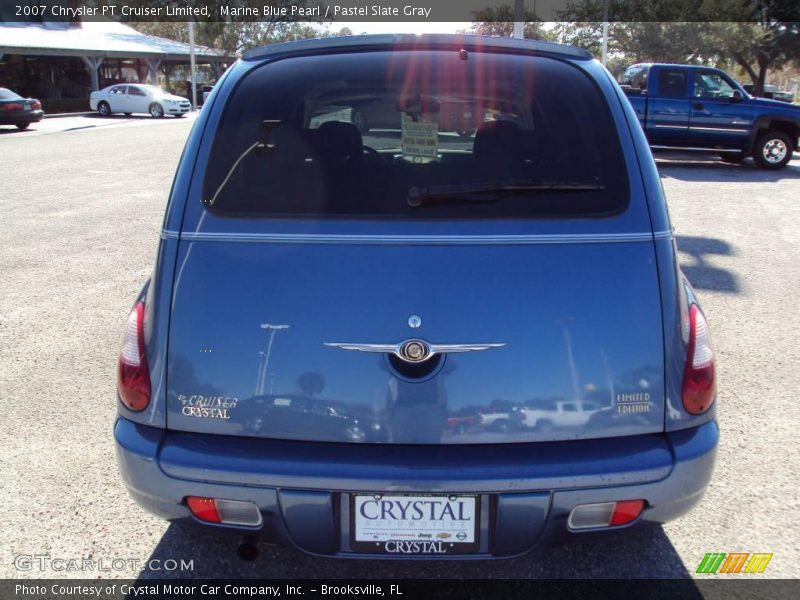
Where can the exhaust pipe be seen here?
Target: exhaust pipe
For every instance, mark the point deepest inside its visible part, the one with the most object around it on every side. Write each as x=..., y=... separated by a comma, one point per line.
x=247, y=550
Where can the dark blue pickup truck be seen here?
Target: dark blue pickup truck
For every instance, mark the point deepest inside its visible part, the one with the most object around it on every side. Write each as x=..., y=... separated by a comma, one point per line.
x=700, y=108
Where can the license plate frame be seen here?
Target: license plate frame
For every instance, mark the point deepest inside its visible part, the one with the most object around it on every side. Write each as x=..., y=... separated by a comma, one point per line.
x=418, y=539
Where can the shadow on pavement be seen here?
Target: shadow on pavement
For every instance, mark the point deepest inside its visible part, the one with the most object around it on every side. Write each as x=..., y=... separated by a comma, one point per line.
x=117, y=116
x=700, y=273
x=705, y=167
x=134, y=117
x=5, y=129
x=645, y=553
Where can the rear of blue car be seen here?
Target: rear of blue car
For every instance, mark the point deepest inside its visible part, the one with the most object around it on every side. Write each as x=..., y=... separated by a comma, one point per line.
x=456, y=336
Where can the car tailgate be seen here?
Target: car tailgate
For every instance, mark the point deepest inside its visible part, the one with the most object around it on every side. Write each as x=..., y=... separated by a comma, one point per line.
x=577, y=324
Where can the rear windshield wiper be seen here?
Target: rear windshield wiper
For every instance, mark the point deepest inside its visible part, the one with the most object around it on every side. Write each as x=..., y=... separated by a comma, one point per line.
x=492, y=192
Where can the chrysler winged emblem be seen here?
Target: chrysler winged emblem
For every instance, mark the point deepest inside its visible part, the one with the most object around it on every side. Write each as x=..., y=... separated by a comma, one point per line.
x=414, y=351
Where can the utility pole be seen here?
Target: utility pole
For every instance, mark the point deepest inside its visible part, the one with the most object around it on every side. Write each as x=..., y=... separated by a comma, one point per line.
x=609, y=377
x=261, y=354
x=192, y=65
x=604, y=58
x=519, y=19
x=262, y=375
x=573, y=369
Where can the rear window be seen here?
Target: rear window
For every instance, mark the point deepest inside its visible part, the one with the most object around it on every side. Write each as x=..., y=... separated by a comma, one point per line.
x=6, y=94
x=636, y=76
x=416, y=134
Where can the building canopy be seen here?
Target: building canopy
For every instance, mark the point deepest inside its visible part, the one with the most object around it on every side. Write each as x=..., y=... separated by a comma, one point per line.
x=97, y=39
x=61, y=60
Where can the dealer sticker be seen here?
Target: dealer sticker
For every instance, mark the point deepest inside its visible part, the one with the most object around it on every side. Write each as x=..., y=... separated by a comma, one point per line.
x=420, y=137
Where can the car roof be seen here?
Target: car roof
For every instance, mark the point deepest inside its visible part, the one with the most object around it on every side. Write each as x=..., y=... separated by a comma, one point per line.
x=674, y=65
x=410, y=41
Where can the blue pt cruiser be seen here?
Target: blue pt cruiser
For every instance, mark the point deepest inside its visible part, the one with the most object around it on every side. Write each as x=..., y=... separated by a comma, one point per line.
x=416, y=296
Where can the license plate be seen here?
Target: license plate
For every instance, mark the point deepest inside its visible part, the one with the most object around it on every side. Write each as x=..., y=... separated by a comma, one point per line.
x=418, y=524
x=27, y=107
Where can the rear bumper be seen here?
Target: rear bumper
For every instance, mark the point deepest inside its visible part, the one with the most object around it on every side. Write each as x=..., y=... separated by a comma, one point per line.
x=27, y=116
x=526, y=490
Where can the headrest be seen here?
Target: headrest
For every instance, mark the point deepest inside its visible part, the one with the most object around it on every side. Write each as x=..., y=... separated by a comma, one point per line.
x=289, y=142
x=496, y=137
x=339, y=140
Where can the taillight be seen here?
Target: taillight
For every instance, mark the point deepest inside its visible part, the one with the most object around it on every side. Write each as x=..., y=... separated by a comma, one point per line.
x=12, y=106
x=228, y=512
x=204, y=509
x=698, y=376
x=626, y=511
x=36, y=105
x=605, y=514
x=133, y=377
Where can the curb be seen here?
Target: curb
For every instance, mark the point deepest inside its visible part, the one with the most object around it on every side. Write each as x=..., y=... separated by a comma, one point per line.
x=75, y=114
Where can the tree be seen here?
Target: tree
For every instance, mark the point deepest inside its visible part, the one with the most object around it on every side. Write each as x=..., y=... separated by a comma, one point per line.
x=758, y=35
x=499, y=21
x=583, y=35
x=760, y=47
x=235, y=35
x=311, y=383
x=165, y=29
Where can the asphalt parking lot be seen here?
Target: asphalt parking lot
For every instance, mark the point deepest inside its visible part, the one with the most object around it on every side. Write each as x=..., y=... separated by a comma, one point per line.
x=81, y=203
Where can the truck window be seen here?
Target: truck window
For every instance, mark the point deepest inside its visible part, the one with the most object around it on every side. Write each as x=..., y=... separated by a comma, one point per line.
x=636, y=76
x=672, y=83
x=711, y=85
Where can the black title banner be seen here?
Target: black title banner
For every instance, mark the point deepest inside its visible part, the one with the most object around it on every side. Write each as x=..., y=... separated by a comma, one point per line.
x=372, y=589
x=402, y=10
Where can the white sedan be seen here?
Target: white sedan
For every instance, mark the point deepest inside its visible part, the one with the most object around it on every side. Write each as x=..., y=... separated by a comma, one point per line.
x=128, y=98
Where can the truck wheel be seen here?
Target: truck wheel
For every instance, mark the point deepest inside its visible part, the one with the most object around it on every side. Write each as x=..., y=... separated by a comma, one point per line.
x=733, y=158
x=773, y=150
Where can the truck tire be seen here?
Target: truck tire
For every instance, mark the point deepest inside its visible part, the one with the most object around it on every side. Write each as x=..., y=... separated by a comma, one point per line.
x=773, y=149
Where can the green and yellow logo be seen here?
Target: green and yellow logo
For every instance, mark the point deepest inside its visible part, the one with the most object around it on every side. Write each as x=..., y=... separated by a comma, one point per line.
x=735, y=562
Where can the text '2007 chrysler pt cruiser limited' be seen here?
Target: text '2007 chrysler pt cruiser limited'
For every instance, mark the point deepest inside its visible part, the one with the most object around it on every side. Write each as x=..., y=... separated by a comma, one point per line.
x=458, y=334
